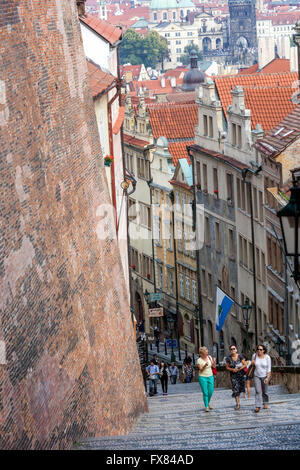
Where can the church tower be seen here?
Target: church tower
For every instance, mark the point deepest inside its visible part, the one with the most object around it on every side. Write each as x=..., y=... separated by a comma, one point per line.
x=242, y=30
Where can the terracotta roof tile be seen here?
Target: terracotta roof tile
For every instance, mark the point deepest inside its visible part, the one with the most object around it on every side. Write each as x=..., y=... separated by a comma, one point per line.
x=133, y=141
x=249, y=70
x=276, y=65
x=173, y=122
x=268, y=96
x=184, y=97
x=119, y=121
x=178, y=150
x=99, y=80
x=282, y=135
x=109, y=32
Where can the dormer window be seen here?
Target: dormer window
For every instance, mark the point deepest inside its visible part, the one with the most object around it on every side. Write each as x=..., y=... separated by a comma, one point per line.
x=205, y=125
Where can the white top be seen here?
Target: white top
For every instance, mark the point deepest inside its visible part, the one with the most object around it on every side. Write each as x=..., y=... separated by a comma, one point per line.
x=207, y=372
x=262, y=365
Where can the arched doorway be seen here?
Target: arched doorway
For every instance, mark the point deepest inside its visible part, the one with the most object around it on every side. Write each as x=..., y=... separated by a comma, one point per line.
x=206, y=44
x=138, y=308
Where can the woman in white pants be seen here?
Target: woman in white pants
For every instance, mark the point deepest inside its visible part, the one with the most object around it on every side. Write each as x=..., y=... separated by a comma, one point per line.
x=262, y=374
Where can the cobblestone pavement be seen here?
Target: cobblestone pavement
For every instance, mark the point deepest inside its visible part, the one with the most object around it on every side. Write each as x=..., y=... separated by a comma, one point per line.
x=179, y=421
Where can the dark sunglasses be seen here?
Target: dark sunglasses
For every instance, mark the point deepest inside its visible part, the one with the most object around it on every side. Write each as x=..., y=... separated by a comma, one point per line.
x=232, y=349
x=259, y=349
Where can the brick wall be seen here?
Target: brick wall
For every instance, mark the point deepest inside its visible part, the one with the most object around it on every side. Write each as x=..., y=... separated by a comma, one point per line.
x=68, y=355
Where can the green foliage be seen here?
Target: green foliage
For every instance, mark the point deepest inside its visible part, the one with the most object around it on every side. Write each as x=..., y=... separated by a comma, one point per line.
x=138, y=50
x=185, y=58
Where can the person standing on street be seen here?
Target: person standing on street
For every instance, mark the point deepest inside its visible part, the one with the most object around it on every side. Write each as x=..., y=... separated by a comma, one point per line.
x=153, y=373
x=164, y=377
x=235, y=364
x=262, y=374
x=188, y=373
x=174, y=371
x=206, y=378
x=156, y=335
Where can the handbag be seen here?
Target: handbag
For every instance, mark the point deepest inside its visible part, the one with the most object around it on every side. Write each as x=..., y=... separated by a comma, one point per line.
x=250, y=371
x=213, y=369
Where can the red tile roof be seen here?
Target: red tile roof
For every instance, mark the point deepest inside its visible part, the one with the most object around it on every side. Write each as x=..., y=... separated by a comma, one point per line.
x=276, y=65
x=178, y=150
x=133, y=141
x=109, y=32
x=249, y=70
x=129, y=16
x=282, y=135
x=268, y=96
x=119, y=121
x=99, y=80
x=173, y=122
x=184, y=97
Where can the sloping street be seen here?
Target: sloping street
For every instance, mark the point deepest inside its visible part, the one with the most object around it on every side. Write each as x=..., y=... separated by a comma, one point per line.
x=178, y=421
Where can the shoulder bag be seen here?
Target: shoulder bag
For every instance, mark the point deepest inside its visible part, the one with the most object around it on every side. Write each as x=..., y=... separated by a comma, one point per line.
x=250, y=372
x=213, y=369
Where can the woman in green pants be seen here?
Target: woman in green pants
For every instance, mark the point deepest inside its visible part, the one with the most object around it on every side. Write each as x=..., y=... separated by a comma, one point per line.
x=206, y=378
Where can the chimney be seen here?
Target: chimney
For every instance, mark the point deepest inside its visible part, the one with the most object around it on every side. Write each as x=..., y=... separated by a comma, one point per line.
x=81, y=7
x=173, y=81
x=163, y=82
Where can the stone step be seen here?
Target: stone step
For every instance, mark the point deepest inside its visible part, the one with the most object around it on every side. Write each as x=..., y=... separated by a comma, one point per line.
x=179, y=421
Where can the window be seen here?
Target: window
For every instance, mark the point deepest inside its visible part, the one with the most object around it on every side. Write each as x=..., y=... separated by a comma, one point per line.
x=207, y=231
x=230, y=243
x=190, y=33
x=203, y=282
x=250, y=256
x=204, y=168
x=263, y=268
x=239, y=136
x=229, y=187
x=205, y=125
x=147, y=267
x=187, y=288
x=260, y=206
x=194, y=292
x=255, y=208
x=167, y=35
x=134, y=260
x=198, y=173
x=174, y=15
x=160, y=277
x=257, y=263
x=178, y=51
x=145, y=215
x=211, y=127
x=209, y=285
x=155, y=16
x=217, y=235
x=171, y=282
x=165, y=16
x=181, y=285
x=132, y=212
x=216, y=183
x=177, y=34
x=233, y=128
x=142, y=168
x=178, y=42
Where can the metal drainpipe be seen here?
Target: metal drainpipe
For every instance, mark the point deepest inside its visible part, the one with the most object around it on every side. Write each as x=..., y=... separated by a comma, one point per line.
x=244, y=173
x=171, y=195
x=111, y=145
x=200, y=307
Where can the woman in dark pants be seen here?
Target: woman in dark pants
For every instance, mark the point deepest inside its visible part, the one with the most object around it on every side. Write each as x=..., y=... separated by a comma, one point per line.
x=235, y=364
x=164, y=377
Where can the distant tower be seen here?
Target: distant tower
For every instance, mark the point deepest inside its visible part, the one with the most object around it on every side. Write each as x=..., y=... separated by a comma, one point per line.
x=102, y=10
x=242, y=28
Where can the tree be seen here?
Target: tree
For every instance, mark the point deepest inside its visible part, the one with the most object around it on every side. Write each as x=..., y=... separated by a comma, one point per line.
x=131, y=48
x=155, y=48
x=138, y=50
x=185, y=58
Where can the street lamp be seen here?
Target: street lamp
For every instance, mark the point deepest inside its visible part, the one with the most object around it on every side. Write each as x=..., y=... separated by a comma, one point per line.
x=246, y=314
x=171, y=323
x=147, y=296
x=290, y=227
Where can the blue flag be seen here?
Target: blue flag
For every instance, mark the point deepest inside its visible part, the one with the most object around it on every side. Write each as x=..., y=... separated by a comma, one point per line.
x=224, y=304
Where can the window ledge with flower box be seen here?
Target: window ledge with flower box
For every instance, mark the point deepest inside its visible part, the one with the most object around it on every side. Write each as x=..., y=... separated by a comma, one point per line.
x=108, y=160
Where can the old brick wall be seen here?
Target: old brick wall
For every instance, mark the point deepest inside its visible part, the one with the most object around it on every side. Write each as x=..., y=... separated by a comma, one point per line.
x=71, y=361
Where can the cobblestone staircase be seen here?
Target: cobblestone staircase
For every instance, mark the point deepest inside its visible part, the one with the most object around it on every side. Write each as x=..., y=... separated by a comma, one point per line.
x=178, y=421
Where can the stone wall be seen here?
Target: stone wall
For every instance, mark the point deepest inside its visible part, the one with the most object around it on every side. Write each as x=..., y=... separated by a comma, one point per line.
x=67, y=350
